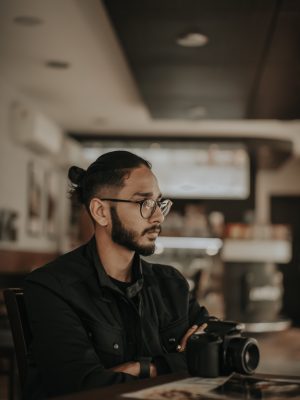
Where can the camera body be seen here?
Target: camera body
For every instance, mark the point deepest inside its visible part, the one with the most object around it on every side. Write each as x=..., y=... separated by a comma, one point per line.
x=220, y=350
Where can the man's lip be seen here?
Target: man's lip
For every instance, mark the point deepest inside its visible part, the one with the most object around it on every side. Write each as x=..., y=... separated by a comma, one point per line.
x=154, y=231
x=152, y=235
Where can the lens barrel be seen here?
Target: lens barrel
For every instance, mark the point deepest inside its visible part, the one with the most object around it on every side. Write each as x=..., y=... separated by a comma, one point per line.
x=242, y=355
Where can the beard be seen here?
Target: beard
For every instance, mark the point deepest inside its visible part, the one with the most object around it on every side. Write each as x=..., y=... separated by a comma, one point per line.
x=128, y=238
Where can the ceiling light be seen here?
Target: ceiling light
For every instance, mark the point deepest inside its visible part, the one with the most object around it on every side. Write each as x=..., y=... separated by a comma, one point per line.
x=57, y=64
x=28, y=20
x=196, y=112
x=192, y=39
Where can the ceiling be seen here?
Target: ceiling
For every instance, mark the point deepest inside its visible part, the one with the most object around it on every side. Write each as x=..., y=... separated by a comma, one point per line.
x=248, y=69
x=138, y=81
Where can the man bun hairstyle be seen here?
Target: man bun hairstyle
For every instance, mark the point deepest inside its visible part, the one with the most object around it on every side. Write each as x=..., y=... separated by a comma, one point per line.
x=109, y=169
x=76, y=175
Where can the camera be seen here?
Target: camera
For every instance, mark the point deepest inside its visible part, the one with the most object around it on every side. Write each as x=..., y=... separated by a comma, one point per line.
x=220, y=350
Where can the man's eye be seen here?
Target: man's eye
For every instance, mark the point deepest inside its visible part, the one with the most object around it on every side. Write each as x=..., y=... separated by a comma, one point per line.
x=148, y=203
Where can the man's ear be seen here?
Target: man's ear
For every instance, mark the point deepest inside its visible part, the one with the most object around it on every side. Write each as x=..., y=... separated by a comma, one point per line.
x=99, y=211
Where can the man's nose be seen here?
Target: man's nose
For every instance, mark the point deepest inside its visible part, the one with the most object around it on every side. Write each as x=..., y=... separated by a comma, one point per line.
x=157, y=216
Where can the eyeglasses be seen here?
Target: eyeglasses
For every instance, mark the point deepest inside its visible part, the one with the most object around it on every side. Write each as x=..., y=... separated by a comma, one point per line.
x=148, y=206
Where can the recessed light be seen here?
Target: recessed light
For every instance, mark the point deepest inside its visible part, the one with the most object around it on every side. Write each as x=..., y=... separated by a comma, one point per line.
x=57, y=64
x=196, y=112
x=192, y=38
x=28, y=20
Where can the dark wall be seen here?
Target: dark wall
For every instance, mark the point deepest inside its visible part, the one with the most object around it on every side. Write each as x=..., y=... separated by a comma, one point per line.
x=286, y=210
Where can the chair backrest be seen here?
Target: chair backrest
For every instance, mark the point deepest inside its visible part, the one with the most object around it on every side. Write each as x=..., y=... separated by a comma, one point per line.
x=8, y=280
x=20, y=328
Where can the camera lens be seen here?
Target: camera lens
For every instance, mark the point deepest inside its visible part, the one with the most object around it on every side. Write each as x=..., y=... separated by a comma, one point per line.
x=250, y=357
x=243, y=355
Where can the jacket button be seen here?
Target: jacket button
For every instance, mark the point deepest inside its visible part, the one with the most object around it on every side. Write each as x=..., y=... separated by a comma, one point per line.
x=172, y=340
x=116, y=346
x=90, y=334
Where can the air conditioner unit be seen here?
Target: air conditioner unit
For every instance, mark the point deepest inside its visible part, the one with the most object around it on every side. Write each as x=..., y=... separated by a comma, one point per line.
x=70, y=153
x=35, y=131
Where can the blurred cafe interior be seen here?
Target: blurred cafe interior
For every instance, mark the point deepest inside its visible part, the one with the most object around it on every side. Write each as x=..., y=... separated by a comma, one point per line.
x=209, y=93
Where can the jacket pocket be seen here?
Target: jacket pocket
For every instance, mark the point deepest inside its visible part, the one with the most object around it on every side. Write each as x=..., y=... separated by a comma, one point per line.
x=108, y=343
x=171, y=335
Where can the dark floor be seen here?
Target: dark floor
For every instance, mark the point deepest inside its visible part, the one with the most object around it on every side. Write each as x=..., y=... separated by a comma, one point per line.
x=280, y=354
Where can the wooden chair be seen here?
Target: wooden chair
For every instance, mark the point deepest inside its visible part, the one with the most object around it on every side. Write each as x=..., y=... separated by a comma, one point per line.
x=7, y=360
x=20, y=328
x=7, y=350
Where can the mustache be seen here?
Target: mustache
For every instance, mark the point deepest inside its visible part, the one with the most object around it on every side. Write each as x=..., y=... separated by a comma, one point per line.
x=154, y=228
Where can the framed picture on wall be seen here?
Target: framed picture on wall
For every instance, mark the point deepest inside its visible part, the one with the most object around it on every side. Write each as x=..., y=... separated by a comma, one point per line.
x=34, y=199
x=51, y=204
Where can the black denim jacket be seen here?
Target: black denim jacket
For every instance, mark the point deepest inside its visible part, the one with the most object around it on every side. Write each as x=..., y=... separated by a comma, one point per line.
x=80, y=327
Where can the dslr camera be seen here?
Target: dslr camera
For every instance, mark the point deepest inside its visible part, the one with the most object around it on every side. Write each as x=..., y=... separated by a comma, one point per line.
x=220, y=350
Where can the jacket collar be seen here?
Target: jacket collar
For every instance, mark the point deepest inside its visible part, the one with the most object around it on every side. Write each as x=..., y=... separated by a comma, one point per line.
x=105, y=281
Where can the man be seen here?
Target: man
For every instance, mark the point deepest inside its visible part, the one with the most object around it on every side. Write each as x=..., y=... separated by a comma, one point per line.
x=100, y=314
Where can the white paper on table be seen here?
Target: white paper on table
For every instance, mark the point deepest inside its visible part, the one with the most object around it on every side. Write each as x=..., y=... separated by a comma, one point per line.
x=185, y=389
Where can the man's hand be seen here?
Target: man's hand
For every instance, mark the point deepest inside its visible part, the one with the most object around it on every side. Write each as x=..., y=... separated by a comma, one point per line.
x=194, y=329
x=153, y=371
x=133, y=368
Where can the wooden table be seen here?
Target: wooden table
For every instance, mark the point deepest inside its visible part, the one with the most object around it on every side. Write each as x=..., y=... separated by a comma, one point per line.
x=115, y=392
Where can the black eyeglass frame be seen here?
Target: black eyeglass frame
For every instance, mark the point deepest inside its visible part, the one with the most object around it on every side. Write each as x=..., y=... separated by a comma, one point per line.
x=141, y=202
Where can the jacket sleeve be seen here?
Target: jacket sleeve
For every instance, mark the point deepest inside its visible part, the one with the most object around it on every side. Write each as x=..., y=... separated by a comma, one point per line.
x=61, y=349
x=197, y=314
x=176, y=362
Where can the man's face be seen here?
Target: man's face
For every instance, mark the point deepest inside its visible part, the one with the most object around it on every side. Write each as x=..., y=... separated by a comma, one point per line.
x=129, y=229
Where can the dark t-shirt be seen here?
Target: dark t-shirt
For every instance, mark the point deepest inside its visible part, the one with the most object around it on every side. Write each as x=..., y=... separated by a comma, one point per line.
x=120, y=284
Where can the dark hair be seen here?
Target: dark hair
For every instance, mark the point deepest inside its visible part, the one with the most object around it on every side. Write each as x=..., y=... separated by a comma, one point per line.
x=109, y=169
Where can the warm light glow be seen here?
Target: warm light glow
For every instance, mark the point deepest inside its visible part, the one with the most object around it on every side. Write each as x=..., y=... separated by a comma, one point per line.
x=211, y=245
x=192, y=39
